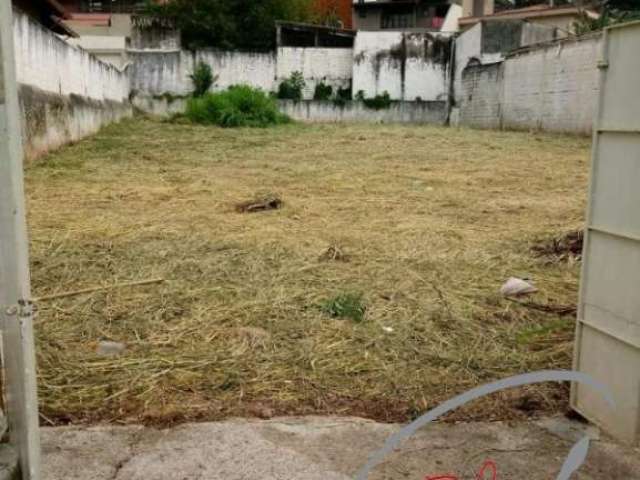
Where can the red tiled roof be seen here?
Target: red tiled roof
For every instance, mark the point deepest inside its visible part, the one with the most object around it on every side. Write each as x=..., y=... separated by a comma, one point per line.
x=93, y=19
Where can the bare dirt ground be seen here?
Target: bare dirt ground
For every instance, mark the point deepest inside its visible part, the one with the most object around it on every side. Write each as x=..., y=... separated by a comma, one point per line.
x=329, y=448
x=369, y=288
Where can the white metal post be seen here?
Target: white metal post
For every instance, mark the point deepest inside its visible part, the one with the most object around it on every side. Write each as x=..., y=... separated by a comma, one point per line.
x=15, y=292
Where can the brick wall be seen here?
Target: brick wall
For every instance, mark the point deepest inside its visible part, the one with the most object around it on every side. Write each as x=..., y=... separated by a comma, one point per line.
x=552, y=86
x=482, y=88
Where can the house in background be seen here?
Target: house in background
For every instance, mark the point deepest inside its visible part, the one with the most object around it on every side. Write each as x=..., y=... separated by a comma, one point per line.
x=407, y=15
x=48, y=13
x=101, y=17
x=477, y=8
x=562, y=18
x=108, y=28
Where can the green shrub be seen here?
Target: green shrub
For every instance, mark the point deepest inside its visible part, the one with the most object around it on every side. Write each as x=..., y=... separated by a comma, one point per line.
x=239, y=106
x=322, y=91
x=343, y=95
x=378, y=102
x=346, y=305
x=202, y=78
x=291, y=88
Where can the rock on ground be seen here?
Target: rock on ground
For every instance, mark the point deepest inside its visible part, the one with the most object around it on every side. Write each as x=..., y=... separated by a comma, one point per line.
x=326, y=448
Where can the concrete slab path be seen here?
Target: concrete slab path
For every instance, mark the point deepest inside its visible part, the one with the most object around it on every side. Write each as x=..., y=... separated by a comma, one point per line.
x=326, y=448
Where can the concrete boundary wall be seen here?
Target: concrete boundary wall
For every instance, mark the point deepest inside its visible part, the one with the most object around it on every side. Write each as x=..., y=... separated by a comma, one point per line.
x=48, y=63
x=167, y=72
x=398, y=112
x=317, y=111
x=482, y=103
x=408, y=66
x=50, y=121
x=551, y=86
x=331, y=66
x=65, y=92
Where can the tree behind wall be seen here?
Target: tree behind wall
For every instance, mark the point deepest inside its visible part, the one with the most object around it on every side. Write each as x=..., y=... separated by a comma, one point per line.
x=231, y=24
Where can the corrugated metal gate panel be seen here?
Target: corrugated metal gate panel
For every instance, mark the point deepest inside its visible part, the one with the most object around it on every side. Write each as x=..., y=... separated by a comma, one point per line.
x=608, y=330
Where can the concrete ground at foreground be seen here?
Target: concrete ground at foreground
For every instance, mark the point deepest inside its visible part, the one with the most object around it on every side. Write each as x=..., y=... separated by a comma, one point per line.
x=327, y=448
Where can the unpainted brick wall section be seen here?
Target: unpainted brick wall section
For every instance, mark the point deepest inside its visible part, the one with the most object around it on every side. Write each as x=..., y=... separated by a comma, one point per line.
x=482, y=91
x=548, y=87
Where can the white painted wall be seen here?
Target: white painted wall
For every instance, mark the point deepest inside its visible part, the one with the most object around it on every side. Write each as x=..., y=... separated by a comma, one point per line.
x=426, y=77
x=553, y=87
x=379, y=67
x=451, y=20
x=161, y=72
x=373, y=74
x=398, y=112
x=168, y=72
x=234, y=68
x=157, y=72
x=332, y=66
x=46, y=62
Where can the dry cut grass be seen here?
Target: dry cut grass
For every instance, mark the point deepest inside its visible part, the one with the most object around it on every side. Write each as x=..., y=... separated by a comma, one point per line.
x=410, y=230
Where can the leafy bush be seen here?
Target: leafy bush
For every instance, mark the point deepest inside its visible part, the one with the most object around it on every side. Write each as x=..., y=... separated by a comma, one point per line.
x=343, y=95
x=322, y=91
x=239, y=106
x=202, y=78
x=346, y=305
x=378, y=102
x=291, y=88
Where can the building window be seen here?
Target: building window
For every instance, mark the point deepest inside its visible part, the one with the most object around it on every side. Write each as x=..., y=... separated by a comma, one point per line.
x=478, y=8
x=112, y=6
x=362, y=12
x=398, y=20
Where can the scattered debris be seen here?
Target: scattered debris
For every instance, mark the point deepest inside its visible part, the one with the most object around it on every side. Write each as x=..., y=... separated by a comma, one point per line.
x=388, y=329
x=561, y=310
x=334, y=253
x=515, y=287
x=110, y=349
x=563, y=247
x=96, y=289
x=260, y=204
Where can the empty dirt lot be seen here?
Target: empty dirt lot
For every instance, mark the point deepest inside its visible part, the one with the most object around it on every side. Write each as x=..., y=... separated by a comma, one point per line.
x=413, y=228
